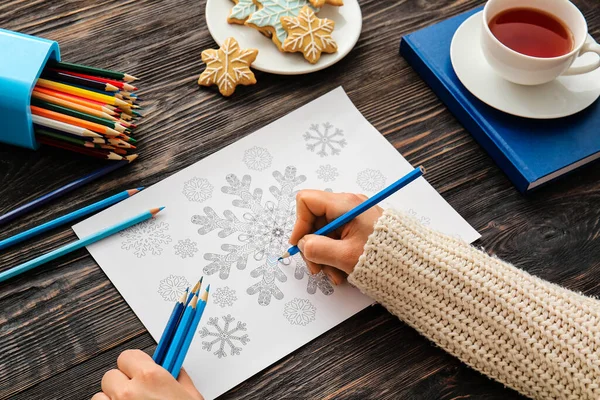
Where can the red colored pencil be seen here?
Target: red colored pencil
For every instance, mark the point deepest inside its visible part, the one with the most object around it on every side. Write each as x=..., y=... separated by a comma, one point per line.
x=119, y=84
x=96, y=153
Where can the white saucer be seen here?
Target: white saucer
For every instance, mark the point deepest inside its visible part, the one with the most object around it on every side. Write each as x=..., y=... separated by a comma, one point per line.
x=348, y=24
x=562, y=97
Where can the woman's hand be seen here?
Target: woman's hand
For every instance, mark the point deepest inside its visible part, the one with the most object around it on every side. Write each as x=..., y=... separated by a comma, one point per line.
x=138, y=377
x=338, y=252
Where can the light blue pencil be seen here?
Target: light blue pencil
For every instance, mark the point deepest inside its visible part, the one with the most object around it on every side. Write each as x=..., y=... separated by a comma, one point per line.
x=82, y=212
x=180, y=334
x=195, y=290
x=362, y=207
x=78, y=244
x=187, y=341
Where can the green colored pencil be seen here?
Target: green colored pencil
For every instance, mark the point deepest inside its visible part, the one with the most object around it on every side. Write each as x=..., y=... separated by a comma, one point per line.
x=94, y=71
x=77, y=114
x=69, y=139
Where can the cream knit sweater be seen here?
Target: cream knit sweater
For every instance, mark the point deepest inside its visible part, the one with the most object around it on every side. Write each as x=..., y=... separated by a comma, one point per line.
x=536, y=337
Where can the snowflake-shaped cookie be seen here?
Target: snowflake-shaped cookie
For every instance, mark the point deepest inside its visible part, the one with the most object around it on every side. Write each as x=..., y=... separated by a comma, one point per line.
x=268, y=17
x=321, y=3
x=309, y=35
x=228, y=67
x=241, y=11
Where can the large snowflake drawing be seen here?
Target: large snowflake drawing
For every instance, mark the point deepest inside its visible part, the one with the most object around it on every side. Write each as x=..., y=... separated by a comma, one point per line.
x=371, y=180
x=317, y=281
x=197, y=189
x=327, y=173
x=146, y=237
x=325, y=138
x=299, y=312
x=224, y=296
x=257, y=158
x=264, y=231
x=224, y=336
x=172, y=287
x=185, y=248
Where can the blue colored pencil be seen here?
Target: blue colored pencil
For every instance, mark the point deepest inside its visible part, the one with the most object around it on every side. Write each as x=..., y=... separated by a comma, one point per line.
x=195, y=290
x=25, y=208
x=67, y=218
x=180, y=334
x=165, y=339
x=361, y=208
x=187, y=341
x=78, y=244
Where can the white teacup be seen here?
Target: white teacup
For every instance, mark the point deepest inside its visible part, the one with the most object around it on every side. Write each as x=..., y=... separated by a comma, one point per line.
x=527, y=70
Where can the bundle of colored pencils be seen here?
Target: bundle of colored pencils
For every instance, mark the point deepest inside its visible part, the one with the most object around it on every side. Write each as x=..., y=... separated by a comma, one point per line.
x=86, y=110
x=179, y=332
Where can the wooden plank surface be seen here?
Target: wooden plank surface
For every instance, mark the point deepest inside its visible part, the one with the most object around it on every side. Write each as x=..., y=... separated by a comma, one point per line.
x=62, y=326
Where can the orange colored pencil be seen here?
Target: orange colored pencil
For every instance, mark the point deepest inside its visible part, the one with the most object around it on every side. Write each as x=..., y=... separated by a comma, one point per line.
x=72, y=106
x=88, y=94
x=96, y=105
x=67, y=119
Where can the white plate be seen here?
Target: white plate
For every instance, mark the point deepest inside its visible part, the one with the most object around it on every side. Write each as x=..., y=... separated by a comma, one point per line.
x=564, y=96
x=348, y=24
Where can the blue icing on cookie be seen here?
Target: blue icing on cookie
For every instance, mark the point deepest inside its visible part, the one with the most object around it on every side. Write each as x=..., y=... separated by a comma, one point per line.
x=243, y=9
x=271, y=12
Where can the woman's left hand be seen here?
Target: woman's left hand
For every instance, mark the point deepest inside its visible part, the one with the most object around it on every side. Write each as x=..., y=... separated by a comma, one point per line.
x=138, y=377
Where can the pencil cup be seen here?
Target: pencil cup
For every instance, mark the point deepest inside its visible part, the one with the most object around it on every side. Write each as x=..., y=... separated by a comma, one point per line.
x=22, y=59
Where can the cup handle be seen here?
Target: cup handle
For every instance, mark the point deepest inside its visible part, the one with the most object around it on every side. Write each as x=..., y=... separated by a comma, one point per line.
x=589, y=46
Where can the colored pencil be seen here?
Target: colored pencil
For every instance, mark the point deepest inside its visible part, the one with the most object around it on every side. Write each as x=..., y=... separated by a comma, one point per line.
x=88, y=94
x=187, y=340
x=67, y=119
x=195, y=290
x=361, y=208
x=121, y=85
x=82, y=212
x=180, y=333
x=61, y=191
x=96, y=153
x=42, y=98
x=63, y=127
x=94, y=71
x=63, y=77
x=70, y=139
x=165, y=339
x=97, y=105
x=88, y=240
x=77, y=114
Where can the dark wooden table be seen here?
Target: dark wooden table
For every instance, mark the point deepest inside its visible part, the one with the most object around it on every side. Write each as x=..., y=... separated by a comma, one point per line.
x=63, y=325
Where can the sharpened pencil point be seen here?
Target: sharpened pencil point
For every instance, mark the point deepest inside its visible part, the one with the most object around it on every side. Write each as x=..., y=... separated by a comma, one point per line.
x=284, y=256
x=140, y=188
x=161, y=208
x=208, y=288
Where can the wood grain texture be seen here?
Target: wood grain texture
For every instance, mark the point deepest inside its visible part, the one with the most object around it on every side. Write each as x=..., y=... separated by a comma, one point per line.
x=63, y=325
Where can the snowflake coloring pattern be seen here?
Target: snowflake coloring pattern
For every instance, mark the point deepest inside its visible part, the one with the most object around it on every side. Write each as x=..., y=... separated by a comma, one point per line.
x=224, y=336
x=371, y=180
x=224, y=297
x=270, y=13
x=264, y=231
x=146, y=237
x=172, y=287
x=327, y=173
x=198, y=189
x=185, y=248
x=299, y=312
x=423, y=220
x=324, y=138
x=317, y=281
x=257, y=158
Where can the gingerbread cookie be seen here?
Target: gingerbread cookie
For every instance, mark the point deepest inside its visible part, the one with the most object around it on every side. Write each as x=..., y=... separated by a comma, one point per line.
x=228, y=67
x=241, y=11
x=308, y=34
x=269, y=14
x=320, y=3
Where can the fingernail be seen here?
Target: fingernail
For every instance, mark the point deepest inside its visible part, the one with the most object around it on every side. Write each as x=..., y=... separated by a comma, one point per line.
x=301, y=244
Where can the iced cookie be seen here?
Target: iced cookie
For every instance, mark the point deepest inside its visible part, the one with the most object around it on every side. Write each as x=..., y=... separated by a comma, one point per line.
x=241, y=11
x=269, y=14
x=228, y=67
x=309, y=35
x=320, y=3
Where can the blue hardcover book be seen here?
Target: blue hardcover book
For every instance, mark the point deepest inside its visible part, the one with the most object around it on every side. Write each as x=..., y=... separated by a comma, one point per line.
x=531, y=152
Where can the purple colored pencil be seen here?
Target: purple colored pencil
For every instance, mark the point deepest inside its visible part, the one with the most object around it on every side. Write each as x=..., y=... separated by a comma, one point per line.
x=40, y=201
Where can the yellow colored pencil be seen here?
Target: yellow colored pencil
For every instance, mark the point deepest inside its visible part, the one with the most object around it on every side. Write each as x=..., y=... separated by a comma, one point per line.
x=81, y=92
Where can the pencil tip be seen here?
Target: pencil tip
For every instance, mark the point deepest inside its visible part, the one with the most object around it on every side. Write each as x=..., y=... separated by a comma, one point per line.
x=208, y=288
x=140, y=188
x=284, y=255
x=161, y=208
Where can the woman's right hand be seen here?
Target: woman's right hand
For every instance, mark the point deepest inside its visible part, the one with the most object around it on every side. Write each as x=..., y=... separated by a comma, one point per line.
x=337, y=253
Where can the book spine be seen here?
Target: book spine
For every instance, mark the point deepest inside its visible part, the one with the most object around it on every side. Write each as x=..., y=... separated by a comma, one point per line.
x=470, y=121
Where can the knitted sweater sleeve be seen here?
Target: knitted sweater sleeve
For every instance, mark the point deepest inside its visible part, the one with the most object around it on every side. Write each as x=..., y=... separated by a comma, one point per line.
x=531, y=335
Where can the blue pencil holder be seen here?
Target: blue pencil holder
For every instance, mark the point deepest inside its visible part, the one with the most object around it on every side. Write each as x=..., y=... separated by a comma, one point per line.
x=22, y=59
